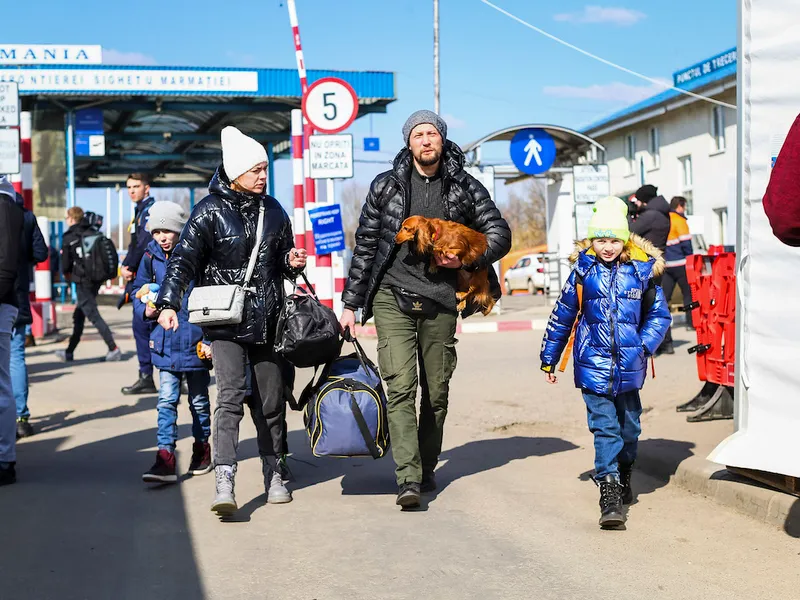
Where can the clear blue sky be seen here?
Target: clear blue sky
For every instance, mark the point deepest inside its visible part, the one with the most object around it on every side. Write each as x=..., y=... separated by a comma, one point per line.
x=494, y=72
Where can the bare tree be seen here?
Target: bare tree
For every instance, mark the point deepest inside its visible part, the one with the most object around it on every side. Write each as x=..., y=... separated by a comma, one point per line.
x=525, y=212
x=352, y=200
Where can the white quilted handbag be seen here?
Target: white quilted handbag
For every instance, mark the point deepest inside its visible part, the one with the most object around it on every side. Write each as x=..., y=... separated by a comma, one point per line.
x=215, y=305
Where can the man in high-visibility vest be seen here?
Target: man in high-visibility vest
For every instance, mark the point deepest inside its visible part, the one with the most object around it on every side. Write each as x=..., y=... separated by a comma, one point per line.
x=679, y=246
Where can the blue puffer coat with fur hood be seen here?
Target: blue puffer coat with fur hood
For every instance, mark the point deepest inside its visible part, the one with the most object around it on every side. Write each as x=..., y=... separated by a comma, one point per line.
x=613, y=338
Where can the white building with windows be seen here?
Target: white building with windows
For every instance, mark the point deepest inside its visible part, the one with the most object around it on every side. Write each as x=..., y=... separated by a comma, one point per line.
x=686, y=146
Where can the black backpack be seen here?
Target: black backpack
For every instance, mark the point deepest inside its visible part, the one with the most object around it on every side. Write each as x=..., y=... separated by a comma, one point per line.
x=308, y=332
x=99, y=257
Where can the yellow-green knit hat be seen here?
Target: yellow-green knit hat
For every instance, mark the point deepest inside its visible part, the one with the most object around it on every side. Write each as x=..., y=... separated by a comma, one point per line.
x=610, y=219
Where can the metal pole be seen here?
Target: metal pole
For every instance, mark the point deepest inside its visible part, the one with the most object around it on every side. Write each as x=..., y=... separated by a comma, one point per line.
x=121, y=221
x=70, y=158
x=270, y=169
x=436, y=56
x=108, y=213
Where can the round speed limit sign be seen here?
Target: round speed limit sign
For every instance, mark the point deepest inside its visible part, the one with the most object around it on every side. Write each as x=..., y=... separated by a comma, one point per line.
x=330, y=105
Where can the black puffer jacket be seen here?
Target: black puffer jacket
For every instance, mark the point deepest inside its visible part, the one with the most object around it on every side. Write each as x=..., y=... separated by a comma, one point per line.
x=465, y=200
x=214, y=249
x=653, y=222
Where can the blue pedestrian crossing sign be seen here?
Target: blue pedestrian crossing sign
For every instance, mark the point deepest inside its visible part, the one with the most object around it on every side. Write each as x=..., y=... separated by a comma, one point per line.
x=533, y=151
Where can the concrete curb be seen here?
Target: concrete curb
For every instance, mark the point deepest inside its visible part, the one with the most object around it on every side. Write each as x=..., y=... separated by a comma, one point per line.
x=701, y=476
x=478, y=327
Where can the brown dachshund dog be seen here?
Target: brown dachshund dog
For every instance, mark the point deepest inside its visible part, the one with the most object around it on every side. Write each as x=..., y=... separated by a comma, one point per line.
x=437, y=237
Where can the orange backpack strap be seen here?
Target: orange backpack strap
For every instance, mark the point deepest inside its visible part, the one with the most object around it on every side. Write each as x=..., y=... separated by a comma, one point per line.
x=568, y=350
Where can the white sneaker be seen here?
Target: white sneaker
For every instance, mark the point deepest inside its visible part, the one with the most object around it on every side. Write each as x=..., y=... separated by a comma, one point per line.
x=277, y=493
x=114, y=355
x=225, y=501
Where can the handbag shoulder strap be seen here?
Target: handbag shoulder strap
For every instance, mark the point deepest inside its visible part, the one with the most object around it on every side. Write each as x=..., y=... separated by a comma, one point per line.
x=254, y=254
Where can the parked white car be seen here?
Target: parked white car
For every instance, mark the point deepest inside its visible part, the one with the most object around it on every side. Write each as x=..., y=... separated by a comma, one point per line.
x=527, y=274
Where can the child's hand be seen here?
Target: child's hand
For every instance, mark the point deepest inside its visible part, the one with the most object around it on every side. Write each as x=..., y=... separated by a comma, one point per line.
x=150, y=311
x=551, y=378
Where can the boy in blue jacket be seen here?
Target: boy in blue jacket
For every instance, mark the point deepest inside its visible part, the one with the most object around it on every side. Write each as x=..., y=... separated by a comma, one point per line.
x=622, y=318
x=174, y=353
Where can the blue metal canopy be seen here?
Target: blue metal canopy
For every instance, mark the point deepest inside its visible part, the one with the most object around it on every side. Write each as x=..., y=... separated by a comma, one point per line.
x=166, y=121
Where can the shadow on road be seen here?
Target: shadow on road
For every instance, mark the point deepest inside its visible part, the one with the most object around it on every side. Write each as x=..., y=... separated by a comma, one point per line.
x=61, y=419
x=90, y=530
x=792, y=525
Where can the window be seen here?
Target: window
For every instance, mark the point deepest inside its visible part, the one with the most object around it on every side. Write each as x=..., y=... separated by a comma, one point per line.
x=686, y=180
x=721, y=225
x=630, y=153
x=655, y=148
x=718, y=129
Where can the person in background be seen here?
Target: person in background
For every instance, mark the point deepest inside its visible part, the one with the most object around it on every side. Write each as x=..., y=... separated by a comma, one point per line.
x=652, y=220
x=782, y=199
x=72, y=263
x=174, y=353
x=11, y=227
x=139, y=190
x=621, y=319
x=33, y=250
x=679, y=247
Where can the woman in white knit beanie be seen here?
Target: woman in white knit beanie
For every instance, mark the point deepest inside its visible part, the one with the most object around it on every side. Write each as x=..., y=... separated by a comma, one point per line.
x=215, y=249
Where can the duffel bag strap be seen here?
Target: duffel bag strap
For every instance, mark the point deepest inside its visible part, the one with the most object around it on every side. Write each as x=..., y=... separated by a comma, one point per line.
x=362, y=356
x=363, y=428
x=313, y=386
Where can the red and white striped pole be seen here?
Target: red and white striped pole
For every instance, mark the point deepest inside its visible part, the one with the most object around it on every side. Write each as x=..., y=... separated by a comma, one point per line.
x=319, y=267
x=299, y=216
x=23, y=182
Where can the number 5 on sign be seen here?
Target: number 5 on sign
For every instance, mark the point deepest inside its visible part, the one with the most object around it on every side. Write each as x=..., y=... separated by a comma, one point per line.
x=330, y=105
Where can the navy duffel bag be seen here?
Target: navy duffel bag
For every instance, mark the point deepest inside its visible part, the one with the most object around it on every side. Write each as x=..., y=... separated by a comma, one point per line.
x=345, y=409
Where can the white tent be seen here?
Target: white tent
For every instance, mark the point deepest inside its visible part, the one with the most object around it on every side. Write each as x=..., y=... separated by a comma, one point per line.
x=767, y=434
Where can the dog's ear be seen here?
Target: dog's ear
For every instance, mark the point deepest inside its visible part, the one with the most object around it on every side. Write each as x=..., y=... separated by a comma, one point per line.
x=425, y=236
x=476, y=246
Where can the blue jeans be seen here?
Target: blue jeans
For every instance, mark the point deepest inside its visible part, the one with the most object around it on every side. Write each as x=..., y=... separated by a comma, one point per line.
x=169, y=393
x=8, y=421
x=19, y=371
x=615, y=423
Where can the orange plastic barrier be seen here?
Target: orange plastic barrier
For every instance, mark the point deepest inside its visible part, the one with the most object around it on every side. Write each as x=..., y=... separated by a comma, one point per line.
x=712, y=279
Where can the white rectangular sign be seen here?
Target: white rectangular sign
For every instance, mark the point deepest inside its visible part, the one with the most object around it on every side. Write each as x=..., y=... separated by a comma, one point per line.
x=97, y=145
x=9, y=151
x=9, y=105
x=330, y=156
x=50, y=54
x=130, y=80
x=590, y=183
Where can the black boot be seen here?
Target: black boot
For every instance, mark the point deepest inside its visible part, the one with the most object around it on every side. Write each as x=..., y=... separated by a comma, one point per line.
x=611, y=516
x=143, y=385
x=625, y=471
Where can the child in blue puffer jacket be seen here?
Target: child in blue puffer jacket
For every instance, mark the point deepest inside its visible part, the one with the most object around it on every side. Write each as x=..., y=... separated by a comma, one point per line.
x=174, y=353
x=622, y=318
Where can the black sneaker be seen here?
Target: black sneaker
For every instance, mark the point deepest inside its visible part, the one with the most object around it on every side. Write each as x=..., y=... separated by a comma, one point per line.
x=428, y=483
x=24, y=429
x=201, y=459
x=143, y=385
x=409, y=495
x=8, y=473
x=163, y=471
x=611, y=515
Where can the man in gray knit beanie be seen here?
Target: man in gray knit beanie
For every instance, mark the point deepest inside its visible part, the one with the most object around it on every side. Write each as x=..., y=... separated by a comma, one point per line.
x=415, y=307
x=424, y=117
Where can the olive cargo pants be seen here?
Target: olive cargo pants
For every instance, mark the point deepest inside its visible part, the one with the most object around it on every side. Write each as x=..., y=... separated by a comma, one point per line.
x=403, y=342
